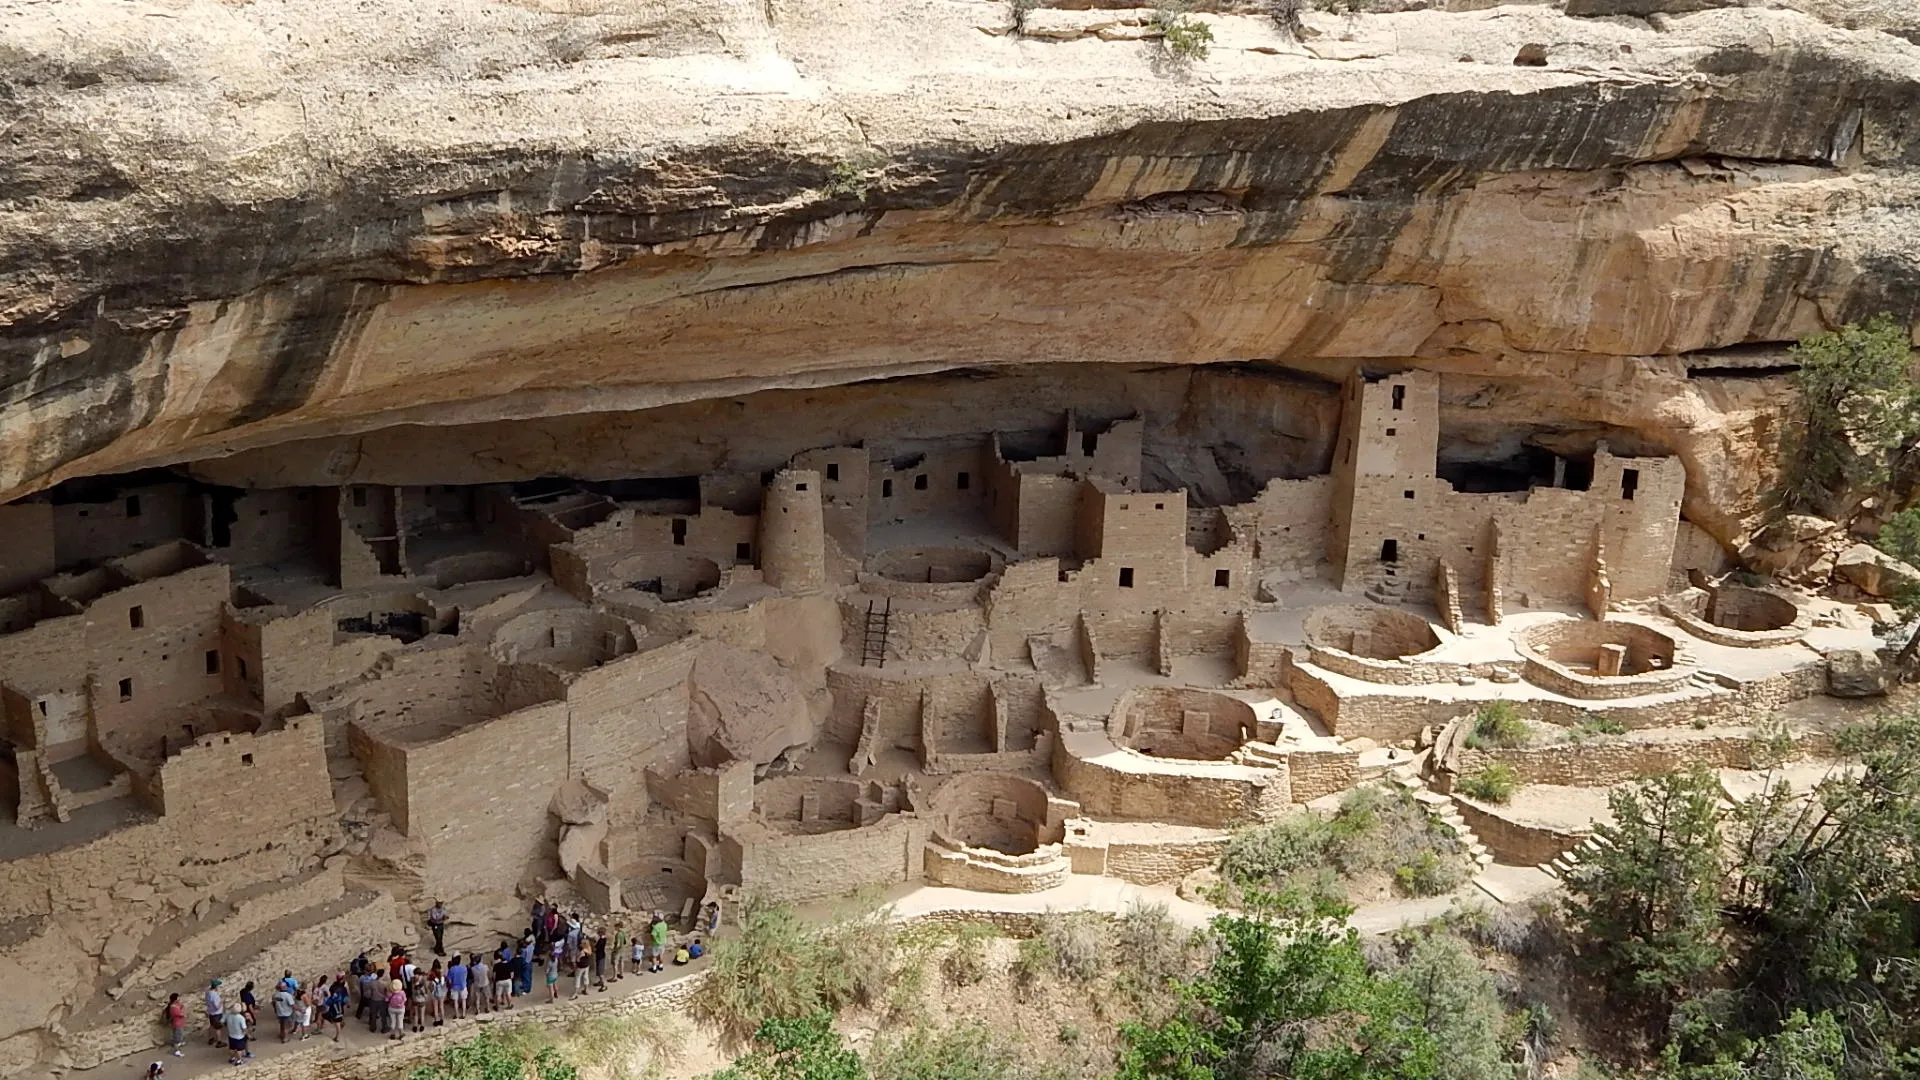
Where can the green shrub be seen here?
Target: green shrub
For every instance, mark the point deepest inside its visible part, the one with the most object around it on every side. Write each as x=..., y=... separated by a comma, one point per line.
x=965, y=962
x=1032, y=962
x=1427, y=874
x=853, y=176
x=1184, y=37
x=518, y=1051
x=1494, y=782
x=782, y=968
x=1592, y=724
x=1151, y=945
x=1263, y=854
x=1078, y=943
x=965, y=1052
x=1498, y=724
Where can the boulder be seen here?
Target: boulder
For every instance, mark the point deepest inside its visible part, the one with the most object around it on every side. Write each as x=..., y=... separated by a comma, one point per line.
x=1873, y=571
x=577, y=804
x=1856, y=673
x=743, y=707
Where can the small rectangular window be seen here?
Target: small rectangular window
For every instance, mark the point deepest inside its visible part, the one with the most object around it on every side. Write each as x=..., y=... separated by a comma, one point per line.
x=1408, y=494
x=1126, y=577
x=886, y=489
x=1391, y=432
x=1390, y=551
x=799, y=487
x=242, y=662
x=1629, y=483
x=743, y=551
x=246, y=759
x=126, y=689
x=43, y=706
x=1159, y=506
x=133, y=506
x=1221, y=578
x=1088, y=440
x=1399, y=397
x=136, y=617
x=213, y=661
x=679, y=532
x=833, y=472
x=920, y=482
x=963, y=481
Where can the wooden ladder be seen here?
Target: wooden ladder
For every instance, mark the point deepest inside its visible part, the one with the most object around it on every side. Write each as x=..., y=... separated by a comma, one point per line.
x=873, y=648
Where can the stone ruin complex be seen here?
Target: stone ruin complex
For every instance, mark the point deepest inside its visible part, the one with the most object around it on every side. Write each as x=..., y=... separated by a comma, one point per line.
x=254, y=728
x=631, y=453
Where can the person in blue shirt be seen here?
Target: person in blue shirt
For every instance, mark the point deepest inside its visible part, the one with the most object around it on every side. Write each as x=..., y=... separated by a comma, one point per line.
x=526, y=965
x=457, y=987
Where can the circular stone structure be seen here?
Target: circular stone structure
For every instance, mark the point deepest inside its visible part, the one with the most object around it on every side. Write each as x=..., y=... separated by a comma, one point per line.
x=1612, y=658
x=1741, y=617
x=1370, y=631
x=1751, y=610
x=994, y=811
x=568, y=639
x=995, y=832
x=671, y=575
x=1192, y=725
x=933, y=565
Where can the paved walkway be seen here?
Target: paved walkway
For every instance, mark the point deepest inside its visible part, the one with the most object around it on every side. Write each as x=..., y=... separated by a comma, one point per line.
x=1082, y=892
x=202, y=1060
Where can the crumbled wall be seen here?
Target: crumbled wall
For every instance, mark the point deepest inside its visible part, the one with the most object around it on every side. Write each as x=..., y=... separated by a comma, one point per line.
x=806, y=867
x=215, y=789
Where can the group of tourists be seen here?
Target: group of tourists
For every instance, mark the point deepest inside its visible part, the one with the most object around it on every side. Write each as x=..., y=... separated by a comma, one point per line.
x=301, y=1010
x=398, y=995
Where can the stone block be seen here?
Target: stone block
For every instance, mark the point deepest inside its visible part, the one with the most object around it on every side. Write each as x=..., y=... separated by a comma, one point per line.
x=1854, y=673
x=1873, y=571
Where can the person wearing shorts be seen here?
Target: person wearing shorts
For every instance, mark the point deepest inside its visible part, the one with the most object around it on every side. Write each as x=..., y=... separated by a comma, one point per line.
x=503, y=984
x=216, y=1015
x=236, y=1025
x=457, y=987
x=661, y=933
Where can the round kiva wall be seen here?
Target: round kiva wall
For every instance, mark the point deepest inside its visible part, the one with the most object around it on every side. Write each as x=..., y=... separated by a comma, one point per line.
x=932, y=565
x=1195, y=725
x=1002, y=813
x=1378, y=633
x=672, y=575
x=569, y=639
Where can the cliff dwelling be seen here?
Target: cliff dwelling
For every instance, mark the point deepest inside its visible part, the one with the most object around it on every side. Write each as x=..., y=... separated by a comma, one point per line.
x=980, y=659
x=645, y=457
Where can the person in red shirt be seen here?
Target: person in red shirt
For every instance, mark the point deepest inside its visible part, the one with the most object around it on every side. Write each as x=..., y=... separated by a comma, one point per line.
x=177, y=1023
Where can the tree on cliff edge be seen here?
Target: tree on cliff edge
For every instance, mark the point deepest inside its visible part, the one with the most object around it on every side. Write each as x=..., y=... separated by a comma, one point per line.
x=1856, y=420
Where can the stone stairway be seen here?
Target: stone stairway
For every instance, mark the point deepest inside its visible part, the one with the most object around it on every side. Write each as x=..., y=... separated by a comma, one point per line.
x=1441, y=809
x=1563, y=864
x=1259, y=755
x=1390, y=589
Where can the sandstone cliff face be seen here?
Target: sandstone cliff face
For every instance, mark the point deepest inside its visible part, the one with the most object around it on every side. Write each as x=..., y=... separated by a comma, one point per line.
x=231, y=227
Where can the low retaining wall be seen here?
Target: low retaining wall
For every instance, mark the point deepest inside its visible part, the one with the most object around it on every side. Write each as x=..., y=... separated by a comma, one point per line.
x=1605, y=760
x=1515, y=842
x=1161, y=864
